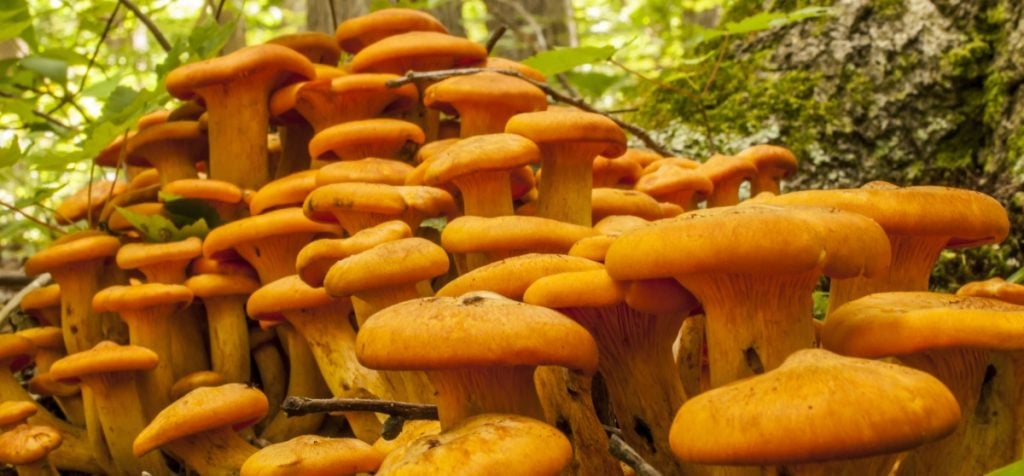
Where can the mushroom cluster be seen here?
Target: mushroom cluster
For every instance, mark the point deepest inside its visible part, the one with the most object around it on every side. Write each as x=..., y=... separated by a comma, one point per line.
x=456, y=241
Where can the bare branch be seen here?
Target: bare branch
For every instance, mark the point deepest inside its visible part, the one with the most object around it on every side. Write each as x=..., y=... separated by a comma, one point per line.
x=31, y=218
x=637, y=131
x=159, y=35
x=621, y=450
x=13, y=303
x=294, y=406
x=495, y=36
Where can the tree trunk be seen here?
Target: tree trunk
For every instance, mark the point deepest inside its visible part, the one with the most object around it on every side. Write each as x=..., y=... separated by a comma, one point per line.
x=908, y=91
x=325, y=15
x=536, y=25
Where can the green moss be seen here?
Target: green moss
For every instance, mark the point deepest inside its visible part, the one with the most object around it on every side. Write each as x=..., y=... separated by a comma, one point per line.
x=889, y=8
x=968, y=61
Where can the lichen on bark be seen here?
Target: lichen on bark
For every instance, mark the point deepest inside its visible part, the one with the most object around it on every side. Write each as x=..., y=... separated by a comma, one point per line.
x=909, y=91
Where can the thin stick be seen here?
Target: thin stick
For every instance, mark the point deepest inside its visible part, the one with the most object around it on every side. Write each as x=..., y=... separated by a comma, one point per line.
x=92, y=59
x=294, y=406
x=625, y=453
x=11, y=305
x=495, y=36
x=32, y=218
x=637, y=131
x=159, y=35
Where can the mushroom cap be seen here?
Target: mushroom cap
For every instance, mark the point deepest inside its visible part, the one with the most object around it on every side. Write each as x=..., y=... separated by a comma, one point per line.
x=355, y=197
x=576, y=289
x=593, y=248
x=727, y=168
x=996, y=288
x=385, y=138
x=151, y=119
x=78, y=206
x=187, y=111
x=206, y=408
x=288, y=191
x=204, y=189
x=615, y=172
x=313, y=455
x=607, y=202
x=483, y=153
x=616, y=225
x=353, y=97
x=671, y=179
x=316, y=258
x=177, y=133
x=217, y=285
x=902, y=323
x=494, y=91
x=357, y=33
x=41, y=298
x=26, y=444
x=284, y=99
x=776, y=418
x=111, y=154
x=968, y=218
x=146, y=178
x=681, y=162
x=511, y=277
x=221, y=266
x=419, y=51
x=45, y=384
x=660, y=296
x=18, y=351
x=44, y=337
x=484, y=444
x=317, y=47
x=644, y=157
x=752, y=239
x=255, y=228
x=766, y=157
x=194, y=380
x=479, y=329
x=140, y=297
x=369, y=170
x=138, y=255
x=432, y=149
x=468, y=234
x=15, y=412
x=286, y=294
x=565, y=125
x=70, y=249
x=105, y=357
x=184, y=81
x=388, y=264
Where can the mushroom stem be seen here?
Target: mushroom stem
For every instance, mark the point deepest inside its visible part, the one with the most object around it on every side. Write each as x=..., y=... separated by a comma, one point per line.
x=912, y=261
x=486, y=194
x=238, y=133
x=43, y=467
x=880, y=465
x=172, y=162
x=150, y=327
x=229, y=337
x=753, y=322
x=79, y=282
x=464, y=393
x=566, y=182
x=94, y=432
x=476, y=120
x=295, y=157
x=273, y=374
x=643, y=386
x=963, y=371
x=304, y=380
x=568, y=406
x=120, y=410
x=218, y=452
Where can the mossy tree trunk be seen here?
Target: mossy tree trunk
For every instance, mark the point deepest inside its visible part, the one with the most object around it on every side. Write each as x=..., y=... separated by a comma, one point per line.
x=908, y=91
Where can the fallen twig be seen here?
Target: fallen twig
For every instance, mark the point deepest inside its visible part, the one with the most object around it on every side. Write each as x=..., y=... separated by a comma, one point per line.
x=15, y=301
x=625, y=453
x=295, y=406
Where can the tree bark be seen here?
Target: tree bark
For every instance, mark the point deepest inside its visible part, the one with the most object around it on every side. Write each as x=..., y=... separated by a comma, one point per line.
x=536, y=25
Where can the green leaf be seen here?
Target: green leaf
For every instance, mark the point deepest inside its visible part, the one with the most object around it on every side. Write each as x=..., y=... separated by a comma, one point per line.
x=13, y=22
x=158, y=229
x=52, y=68
x=820, y=304
x=102, y=89
x=436, y=223
x=1017, y=277
x=1014, y=469
x=592, y=84
x=10, y=155
x=22, y=108
x=183, y=211
x=564, y=59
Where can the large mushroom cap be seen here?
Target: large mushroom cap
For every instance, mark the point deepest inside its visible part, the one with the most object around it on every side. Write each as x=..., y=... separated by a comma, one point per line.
x=868, y=407
x=278, y=222
x=138, y=255
x=205, y=408
x=289, y=65
x=73, y=248
x=42, y=298
x=996, y=288
x=312, y=455
x=105, y=357
x=383, y=138
x=26, y=444
x=510, y=277
x=968, y=218
x=285, y=294
x=185, y=134
x=483, y=153
x=494, y=90
x=468, y=234
x=752, y=239
x=417, y=50
x=88, y=201
x=902, y=323
x=16, y=350
x=15, y=412
x=369, y=170
x=474, y=330
x=288, y=191
x=357, y=33
x=391, y=263
x=316, y=258
x=484, y=444
x=561, y=125
x=139, y=297
x=317, y=47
